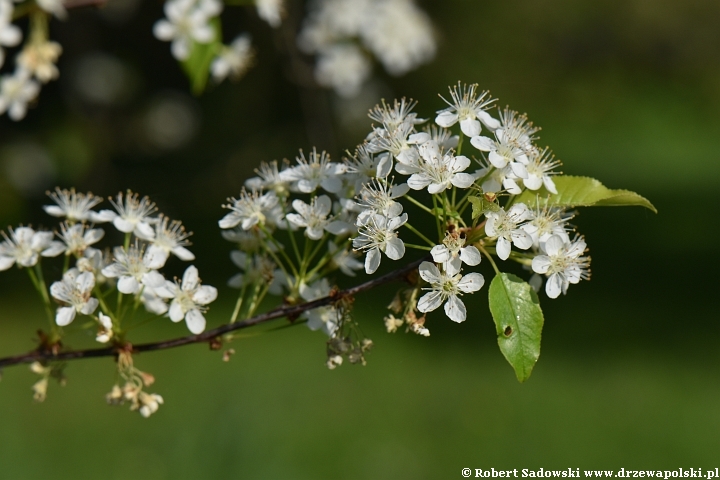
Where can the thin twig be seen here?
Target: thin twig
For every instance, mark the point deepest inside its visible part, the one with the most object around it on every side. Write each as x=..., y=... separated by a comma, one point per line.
x=290, y=311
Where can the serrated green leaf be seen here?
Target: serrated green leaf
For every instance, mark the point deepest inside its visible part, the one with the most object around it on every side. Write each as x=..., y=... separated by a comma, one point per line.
x=584, y=192
x=197, y=65
x=518, y=320
x=480, y=206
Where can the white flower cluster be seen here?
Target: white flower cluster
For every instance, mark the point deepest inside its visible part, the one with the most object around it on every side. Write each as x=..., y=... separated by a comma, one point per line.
x=195, y=22
x=35, y=64
x=132, y=268
x=363, y=203
x=345, y=33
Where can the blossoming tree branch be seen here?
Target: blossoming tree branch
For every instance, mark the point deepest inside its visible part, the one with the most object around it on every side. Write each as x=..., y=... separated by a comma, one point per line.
x=469, y=193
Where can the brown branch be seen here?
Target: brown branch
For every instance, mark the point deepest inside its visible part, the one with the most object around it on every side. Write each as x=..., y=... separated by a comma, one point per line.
x=211, y=335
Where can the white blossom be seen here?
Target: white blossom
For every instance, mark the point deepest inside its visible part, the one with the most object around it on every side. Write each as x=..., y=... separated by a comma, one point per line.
x=396, y=32
x=257, y=269
x=539, y=171
x=344, y=259
x=75, y=289
x=269, y=177
x=442, y=136
x=326, y=318
x=503, y=152
x=75, y=206
x=155, y=299
x=563, y=263
x=249, y=210
x=189, y=300
x=378, y=197
x=447, y=289
x=187, y=22
x=498, y=179
x=271, y=11
x=169, y=237
x=342, y=67
x=134, y=270
x=506, y=227
x=548, y=221
x=400, y=142
x=392, y=116
x=364, y=166
x=437, y=171
x=10, y=35
x=379, y=235
x=133, y=214
x=467, y=108
x=16, y=91
x=314, y=218
x=399, y=34
x=315, y=171
x=233, y=60
x=39, y=59
x=23, y=247
x=452, y=253
x=75, y=240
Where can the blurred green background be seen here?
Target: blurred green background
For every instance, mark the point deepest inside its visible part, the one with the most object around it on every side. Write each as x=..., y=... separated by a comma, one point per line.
x=629, y=376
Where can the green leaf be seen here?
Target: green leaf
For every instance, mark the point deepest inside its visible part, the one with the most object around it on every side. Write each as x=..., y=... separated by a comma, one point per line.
x=584, y=192
x=197, y=65
x=480, y=206
x=518, y=321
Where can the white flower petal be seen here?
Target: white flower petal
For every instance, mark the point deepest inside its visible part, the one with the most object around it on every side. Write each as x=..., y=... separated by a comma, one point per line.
x=446, y=119
x=541, y=264
x=553, y=245
x=470, y=255
x=554, y=285
x=455, y=309
x=89, y=306
x=472, y=282
x=394, y=248
x=502, y=248
x=176, y=312
x=430, y=301
x=462, y=180
x=128, y=285
x=470, y=127
x=153, y=279
x=65, y=316
x=195, y=321
x=183, y=254
x=205, y=295
x=123, y=225
x=190, y=278
x=484, y=144
x=429, y=272
x=440, y=253
x=372, y=260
